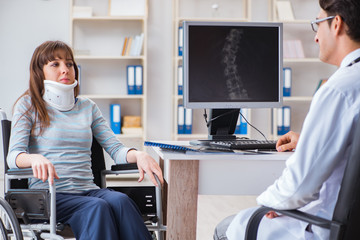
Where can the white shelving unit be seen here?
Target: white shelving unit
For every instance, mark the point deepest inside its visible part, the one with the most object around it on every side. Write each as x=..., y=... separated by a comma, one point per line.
x=98, y=41
x=200, y=10
x=307, y=71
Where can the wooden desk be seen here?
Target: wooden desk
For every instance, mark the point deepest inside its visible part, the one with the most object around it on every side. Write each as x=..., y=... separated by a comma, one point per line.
x=188, y=175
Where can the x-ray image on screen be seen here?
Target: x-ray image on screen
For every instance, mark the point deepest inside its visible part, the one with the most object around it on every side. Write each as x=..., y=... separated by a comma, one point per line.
x=233, y=81
x=233, y=63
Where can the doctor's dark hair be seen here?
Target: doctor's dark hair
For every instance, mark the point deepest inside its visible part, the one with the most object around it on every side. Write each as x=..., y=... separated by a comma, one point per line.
x=349, y=11
x=43, y=54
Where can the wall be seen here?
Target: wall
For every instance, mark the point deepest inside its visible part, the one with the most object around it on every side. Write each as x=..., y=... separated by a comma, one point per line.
x=160, y=45
x=24, y=24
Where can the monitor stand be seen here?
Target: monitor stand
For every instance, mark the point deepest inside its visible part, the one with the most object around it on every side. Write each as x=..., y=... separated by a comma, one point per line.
x=221, y=125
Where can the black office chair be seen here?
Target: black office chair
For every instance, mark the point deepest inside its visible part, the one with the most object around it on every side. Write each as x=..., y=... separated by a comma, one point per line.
x=29, y=205
x=346, y=217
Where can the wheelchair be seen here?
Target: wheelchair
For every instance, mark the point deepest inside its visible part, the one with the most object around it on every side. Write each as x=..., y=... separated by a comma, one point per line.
x=31, y=214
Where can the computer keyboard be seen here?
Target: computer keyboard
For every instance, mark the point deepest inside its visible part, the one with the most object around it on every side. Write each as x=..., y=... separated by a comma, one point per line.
x=245, y=144
x=242, y=144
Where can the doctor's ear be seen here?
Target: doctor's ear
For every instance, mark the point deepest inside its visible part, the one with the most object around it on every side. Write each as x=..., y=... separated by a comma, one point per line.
x=339, y=25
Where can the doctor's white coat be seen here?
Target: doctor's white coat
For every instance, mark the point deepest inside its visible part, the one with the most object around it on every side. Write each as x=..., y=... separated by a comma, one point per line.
x=312, y=177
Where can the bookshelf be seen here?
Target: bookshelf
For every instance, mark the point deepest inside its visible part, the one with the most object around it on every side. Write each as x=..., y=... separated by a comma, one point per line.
x=307, y=71
x=97, y=39
x=200, y=10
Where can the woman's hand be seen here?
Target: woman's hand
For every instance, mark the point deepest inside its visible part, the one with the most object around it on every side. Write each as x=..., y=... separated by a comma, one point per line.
x=287, y=142
x=42, y=168
x=146, y=164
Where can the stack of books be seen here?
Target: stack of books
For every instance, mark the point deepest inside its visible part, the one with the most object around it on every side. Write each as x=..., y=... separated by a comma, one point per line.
x=133, y=46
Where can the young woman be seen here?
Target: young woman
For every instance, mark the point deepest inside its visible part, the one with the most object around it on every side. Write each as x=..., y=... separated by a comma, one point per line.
x=52, y=131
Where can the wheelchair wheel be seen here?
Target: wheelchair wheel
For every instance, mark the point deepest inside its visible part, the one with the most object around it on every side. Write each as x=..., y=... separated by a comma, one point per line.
x=9, y=225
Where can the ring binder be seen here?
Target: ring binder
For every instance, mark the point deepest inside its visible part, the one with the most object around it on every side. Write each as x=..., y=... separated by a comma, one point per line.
x=169, y=146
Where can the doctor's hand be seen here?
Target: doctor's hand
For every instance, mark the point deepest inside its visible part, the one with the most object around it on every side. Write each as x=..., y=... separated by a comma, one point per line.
x=287, y=142
x=271, y=214
x=146, y=164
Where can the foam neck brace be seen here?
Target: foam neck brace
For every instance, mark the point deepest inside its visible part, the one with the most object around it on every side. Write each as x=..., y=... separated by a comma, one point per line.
x=59, y=95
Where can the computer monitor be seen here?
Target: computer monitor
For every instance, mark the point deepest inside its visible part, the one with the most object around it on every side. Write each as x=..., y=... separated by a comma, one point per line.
x=231, y=65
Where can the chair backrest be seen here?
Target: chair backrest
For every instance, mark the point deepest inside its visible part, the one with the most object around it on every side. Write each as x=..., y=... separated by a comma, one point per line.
x=6, y=129
x=97, y=161
x=347, y=209
x=5, y=132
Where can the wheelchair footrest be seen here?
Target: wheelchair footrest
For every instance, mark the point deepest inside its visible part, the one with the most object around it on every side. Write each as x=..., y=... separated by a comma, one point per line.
x=34, y=204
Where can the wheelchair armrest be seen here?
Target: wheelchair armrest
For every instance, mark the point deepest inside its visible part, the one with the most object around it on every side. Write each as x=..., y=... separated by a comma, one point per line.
x=19, y=173
x=254, y=221
x=126, y=166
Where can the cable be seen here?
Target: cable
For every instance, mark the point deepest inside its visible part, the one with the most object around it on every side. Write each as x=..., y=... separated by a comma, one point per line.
x=224, y=114
x=253, y=126
x=221, y=115
x=205, y=117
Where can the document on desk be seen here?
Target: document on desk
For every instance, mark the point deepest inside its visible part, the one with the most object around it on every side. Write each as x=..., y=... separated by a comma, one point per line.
x=193, y=149
x=212, y=150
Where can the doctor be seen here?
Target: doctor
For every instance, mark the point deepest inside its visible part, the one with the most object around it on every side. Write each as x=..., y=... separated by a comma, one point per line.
x=312, y=177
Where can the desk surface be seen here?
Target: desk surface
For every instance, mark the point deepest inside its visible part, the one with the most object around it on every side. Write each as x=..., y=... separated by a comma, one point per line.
x=176, y=155
x=229, y=173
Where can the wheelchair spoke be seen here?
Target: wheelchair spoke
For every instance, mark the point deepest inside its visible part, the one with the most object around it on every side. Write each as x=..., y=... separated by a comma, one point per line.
x=3, y=229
